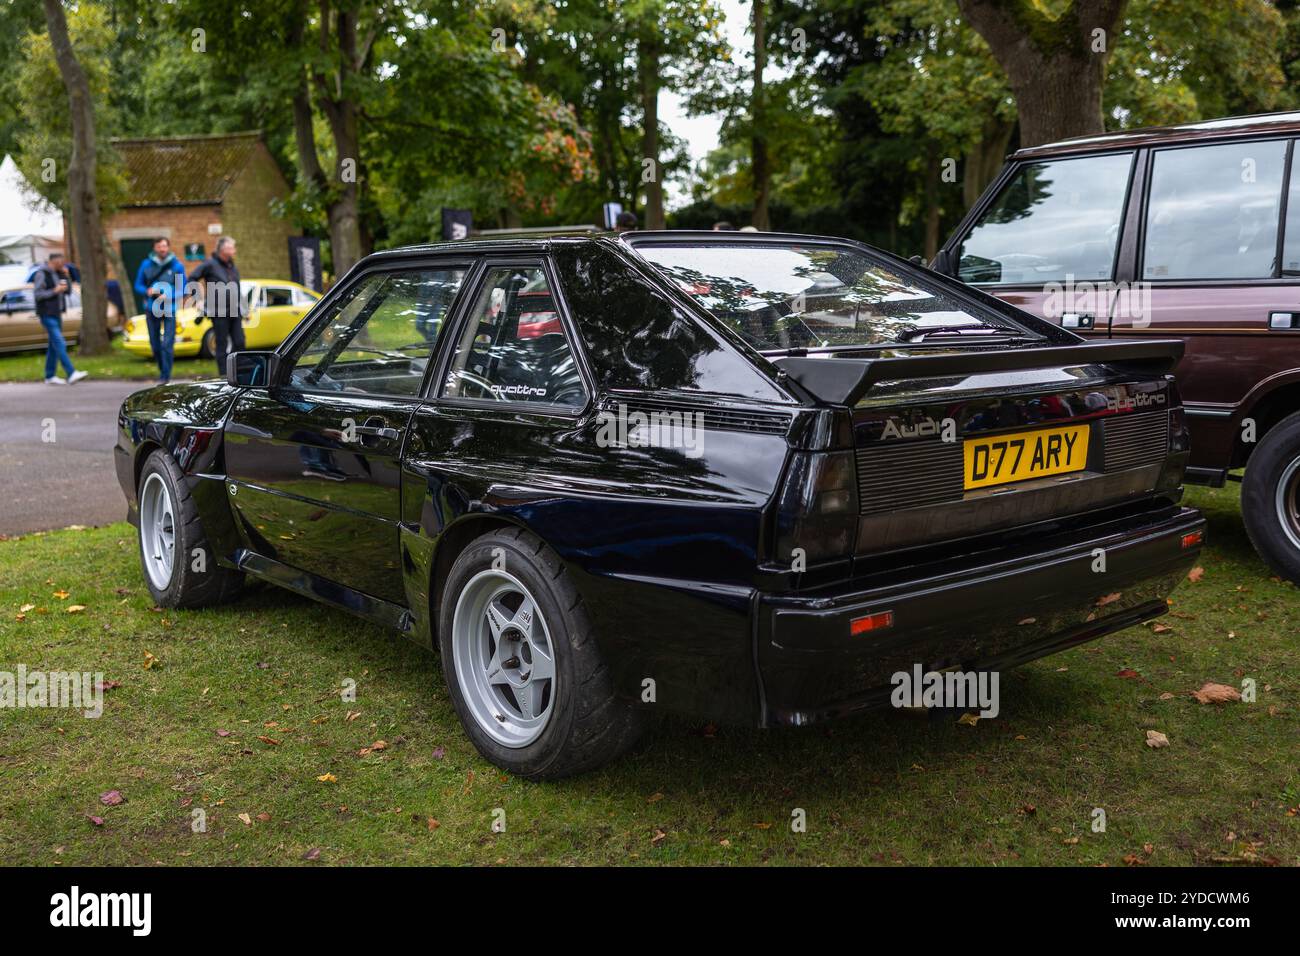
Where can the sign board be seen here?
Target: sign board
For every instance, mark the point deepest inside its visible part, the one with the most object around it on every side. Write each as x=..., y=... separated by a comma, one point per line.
x=304, y=261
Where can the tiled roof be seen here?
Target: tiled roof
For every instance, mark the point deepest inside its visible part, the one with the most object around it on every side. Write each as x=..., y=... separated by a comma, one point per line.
x=183, y=170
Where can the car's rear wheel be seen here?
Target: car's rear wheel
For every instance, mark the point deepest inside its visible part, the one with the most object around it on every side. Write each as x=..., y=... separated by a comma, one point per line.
x=1270, y=498
x=180, y=568
x=521, y=662
x=208, y=344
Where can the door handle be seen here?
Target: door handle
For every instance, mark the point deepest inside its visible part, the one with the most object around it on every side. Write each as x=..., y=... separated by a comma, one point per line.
x=375, y=427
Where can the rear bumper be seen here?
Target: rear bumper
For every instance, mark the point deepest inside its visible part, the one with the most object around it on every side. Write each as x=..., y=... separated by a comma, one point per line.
x=988, y=614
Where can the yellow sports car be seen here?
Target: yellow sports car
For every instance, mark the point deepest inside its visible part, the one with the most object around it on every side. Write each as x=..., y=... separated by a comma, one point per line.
x=275, y=306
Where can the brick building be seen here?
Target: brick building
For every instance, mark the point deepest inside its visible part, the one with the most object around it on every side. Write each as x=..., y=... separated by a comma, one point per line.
x=193, y=189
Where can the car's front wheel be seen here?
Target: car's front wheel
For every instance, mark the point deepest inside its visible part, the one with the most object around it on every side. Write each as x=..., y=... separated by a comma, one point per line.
x=208, y=344
x=521, y=662
x=1270, y=498
x=180, y=569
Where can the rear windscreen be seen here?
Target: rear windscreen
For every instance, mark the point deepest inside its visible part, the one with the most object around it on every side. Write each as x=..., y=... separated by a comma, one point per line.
x=790, y=295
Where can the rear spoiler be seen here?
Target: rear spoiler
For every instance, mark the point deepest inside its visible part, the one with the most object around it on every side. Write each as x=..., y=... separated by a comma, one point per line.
x=843, y=380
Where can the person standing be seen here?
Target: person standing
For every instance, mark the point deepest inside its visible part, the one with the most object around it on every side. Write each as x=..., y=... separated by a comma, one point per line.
x=51, y=285
x=223, y=302
x=160, y=283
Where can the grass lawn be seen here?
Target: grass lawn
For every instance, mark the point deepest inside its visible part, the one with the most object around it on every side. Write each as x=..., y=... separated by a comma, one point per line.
x=118, y=363
x=890, y=788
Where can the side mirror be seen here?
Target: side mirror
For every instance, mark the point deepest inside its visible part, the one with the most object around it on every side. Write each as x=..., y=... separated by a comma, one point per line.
x=252, y=369
x=941, y=263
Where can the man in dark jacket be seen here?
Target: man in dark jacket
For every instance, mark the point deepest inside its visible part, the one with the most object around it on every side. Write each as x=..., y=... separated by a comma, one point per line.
x=160, y=284
x=50, y=287
x=223, y=302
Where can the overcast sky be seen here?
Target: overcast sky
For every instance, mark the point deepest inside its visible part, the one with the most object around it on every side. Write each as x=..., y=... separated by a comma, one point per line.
x=701, y=132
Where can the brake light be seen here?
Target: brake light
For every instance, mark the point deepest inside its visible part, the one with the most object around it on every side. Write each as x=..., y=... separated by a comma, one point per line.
x=817, y=516
x=872, y=622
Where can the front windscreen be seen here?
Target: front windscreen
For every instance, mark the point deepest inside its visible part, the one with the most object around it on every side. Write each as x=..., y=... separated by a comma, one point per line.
x=790, y=295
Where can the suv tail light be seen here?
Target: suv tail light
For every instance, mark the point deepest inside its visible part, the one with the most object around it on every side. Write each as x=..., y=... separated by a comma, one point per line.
x=818, y=508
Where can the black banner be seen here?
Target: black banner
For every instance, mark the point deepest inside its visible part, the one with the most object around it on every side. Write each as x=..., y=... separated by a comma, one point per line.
x=304, y=261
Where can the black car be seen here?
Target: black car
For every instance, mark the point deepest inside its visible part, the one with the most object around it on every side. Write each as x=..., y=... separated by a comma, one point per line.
x=746, y=477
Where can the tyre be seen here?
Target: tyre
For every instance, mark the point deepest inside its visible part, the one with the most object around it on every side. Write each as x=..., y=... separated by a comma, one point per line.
x=1270, y=498
x=180, y=569
x=521, y=663
x=208, y=344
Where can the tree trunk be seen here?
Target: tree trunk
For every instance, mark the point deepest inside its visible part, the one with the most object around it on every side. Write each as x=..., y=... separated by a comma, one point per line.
x=652, y=174
x=87, y=229
x=759, y=164
x=985, y=160
x=932, y=208
x=1055, y=67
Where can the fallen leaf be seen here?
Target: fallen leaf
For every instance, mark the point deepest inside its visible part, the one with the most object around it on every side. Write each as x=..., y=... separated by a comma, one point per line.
x=659, y=837
x=75, y=608
x=150, y=662
x=1108, y=599
x=970, y=720
x=762, y=826
x=1028, y=620
x=223, y=733
x=61, y=595
x=312, y=854
x=439, y=753
x=433, y=824
x=1132, y=859
x=1160, y=628
x=1127, y=673
x=1211, y=693
x=246, y=819
x=97, y=821
x=109, y=684
x=1195, y=574
x=264, y=817
x=27, y=607
x=269, y=741
x=1166, y=696
x=353, y=714
x=112, y=798
x=379, y=745
x=1156, y=739
x=328, y=778
x=1071, y=841
x=654, y=798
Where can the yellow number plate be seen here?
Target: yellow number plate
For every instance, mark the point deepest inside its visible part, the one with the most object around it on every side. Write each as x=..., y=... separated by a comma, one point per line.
x=1023, y=455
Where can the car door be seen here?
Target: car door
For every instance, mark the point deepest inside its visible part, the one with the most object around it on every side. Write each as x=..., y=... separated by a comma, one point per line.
x=1047, y=238
x=273, y=317
x=19, y=325
x=313, y=461
x=1215, y=270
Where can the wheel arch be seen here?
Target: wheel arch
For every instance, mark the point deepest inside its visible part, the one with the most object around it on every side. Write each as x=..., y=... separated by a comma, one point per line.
x=1272, y=401
x=452, y=542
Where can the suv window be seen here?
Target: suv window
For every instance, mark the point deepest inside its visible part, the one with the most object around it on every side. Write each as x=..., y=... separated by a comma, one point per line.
x=1053, y=221
x=1213, y=212
x=378, y=338
x=513, y=347
x=1291, y=248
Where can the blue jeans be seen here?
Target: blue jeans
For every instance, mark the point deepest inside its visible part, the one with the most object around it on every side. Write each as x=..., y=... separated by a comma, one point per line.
x=162, y=339
x=56, y=352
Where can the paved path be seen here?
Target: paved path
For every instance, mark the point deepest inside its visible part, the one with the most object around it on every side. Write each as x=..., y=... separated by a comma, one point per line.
x=46, y=485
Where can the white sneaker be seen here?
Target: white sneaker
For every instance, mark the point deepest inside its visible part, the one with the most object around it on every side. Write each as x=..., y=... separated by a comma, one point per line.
x=77, y=376
x=55, y=380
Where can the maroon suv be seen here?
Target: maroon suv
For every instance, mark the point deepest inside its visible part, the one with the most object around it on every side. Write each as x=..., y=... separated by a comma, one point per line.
x=1187, y=231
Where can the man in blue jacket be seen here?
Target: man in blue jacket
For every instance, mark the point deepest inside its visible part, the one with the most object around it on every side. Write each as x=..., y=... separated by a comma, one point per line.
x=160, y=284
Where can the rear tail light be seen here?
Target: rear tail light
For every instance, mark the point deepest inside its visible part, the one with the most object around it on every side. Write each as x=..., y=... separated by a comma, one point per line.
x=1193, y=540
x=818, y=511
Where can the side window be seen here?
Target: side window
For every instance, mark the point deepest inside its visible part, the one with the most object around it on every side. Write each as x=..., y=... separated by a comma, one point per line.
x=1291, y=240
x=277, y=295
x=379, y=337
x=1051, y=222
x=513, y=347
x=302, y=298
x=1213, y=212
